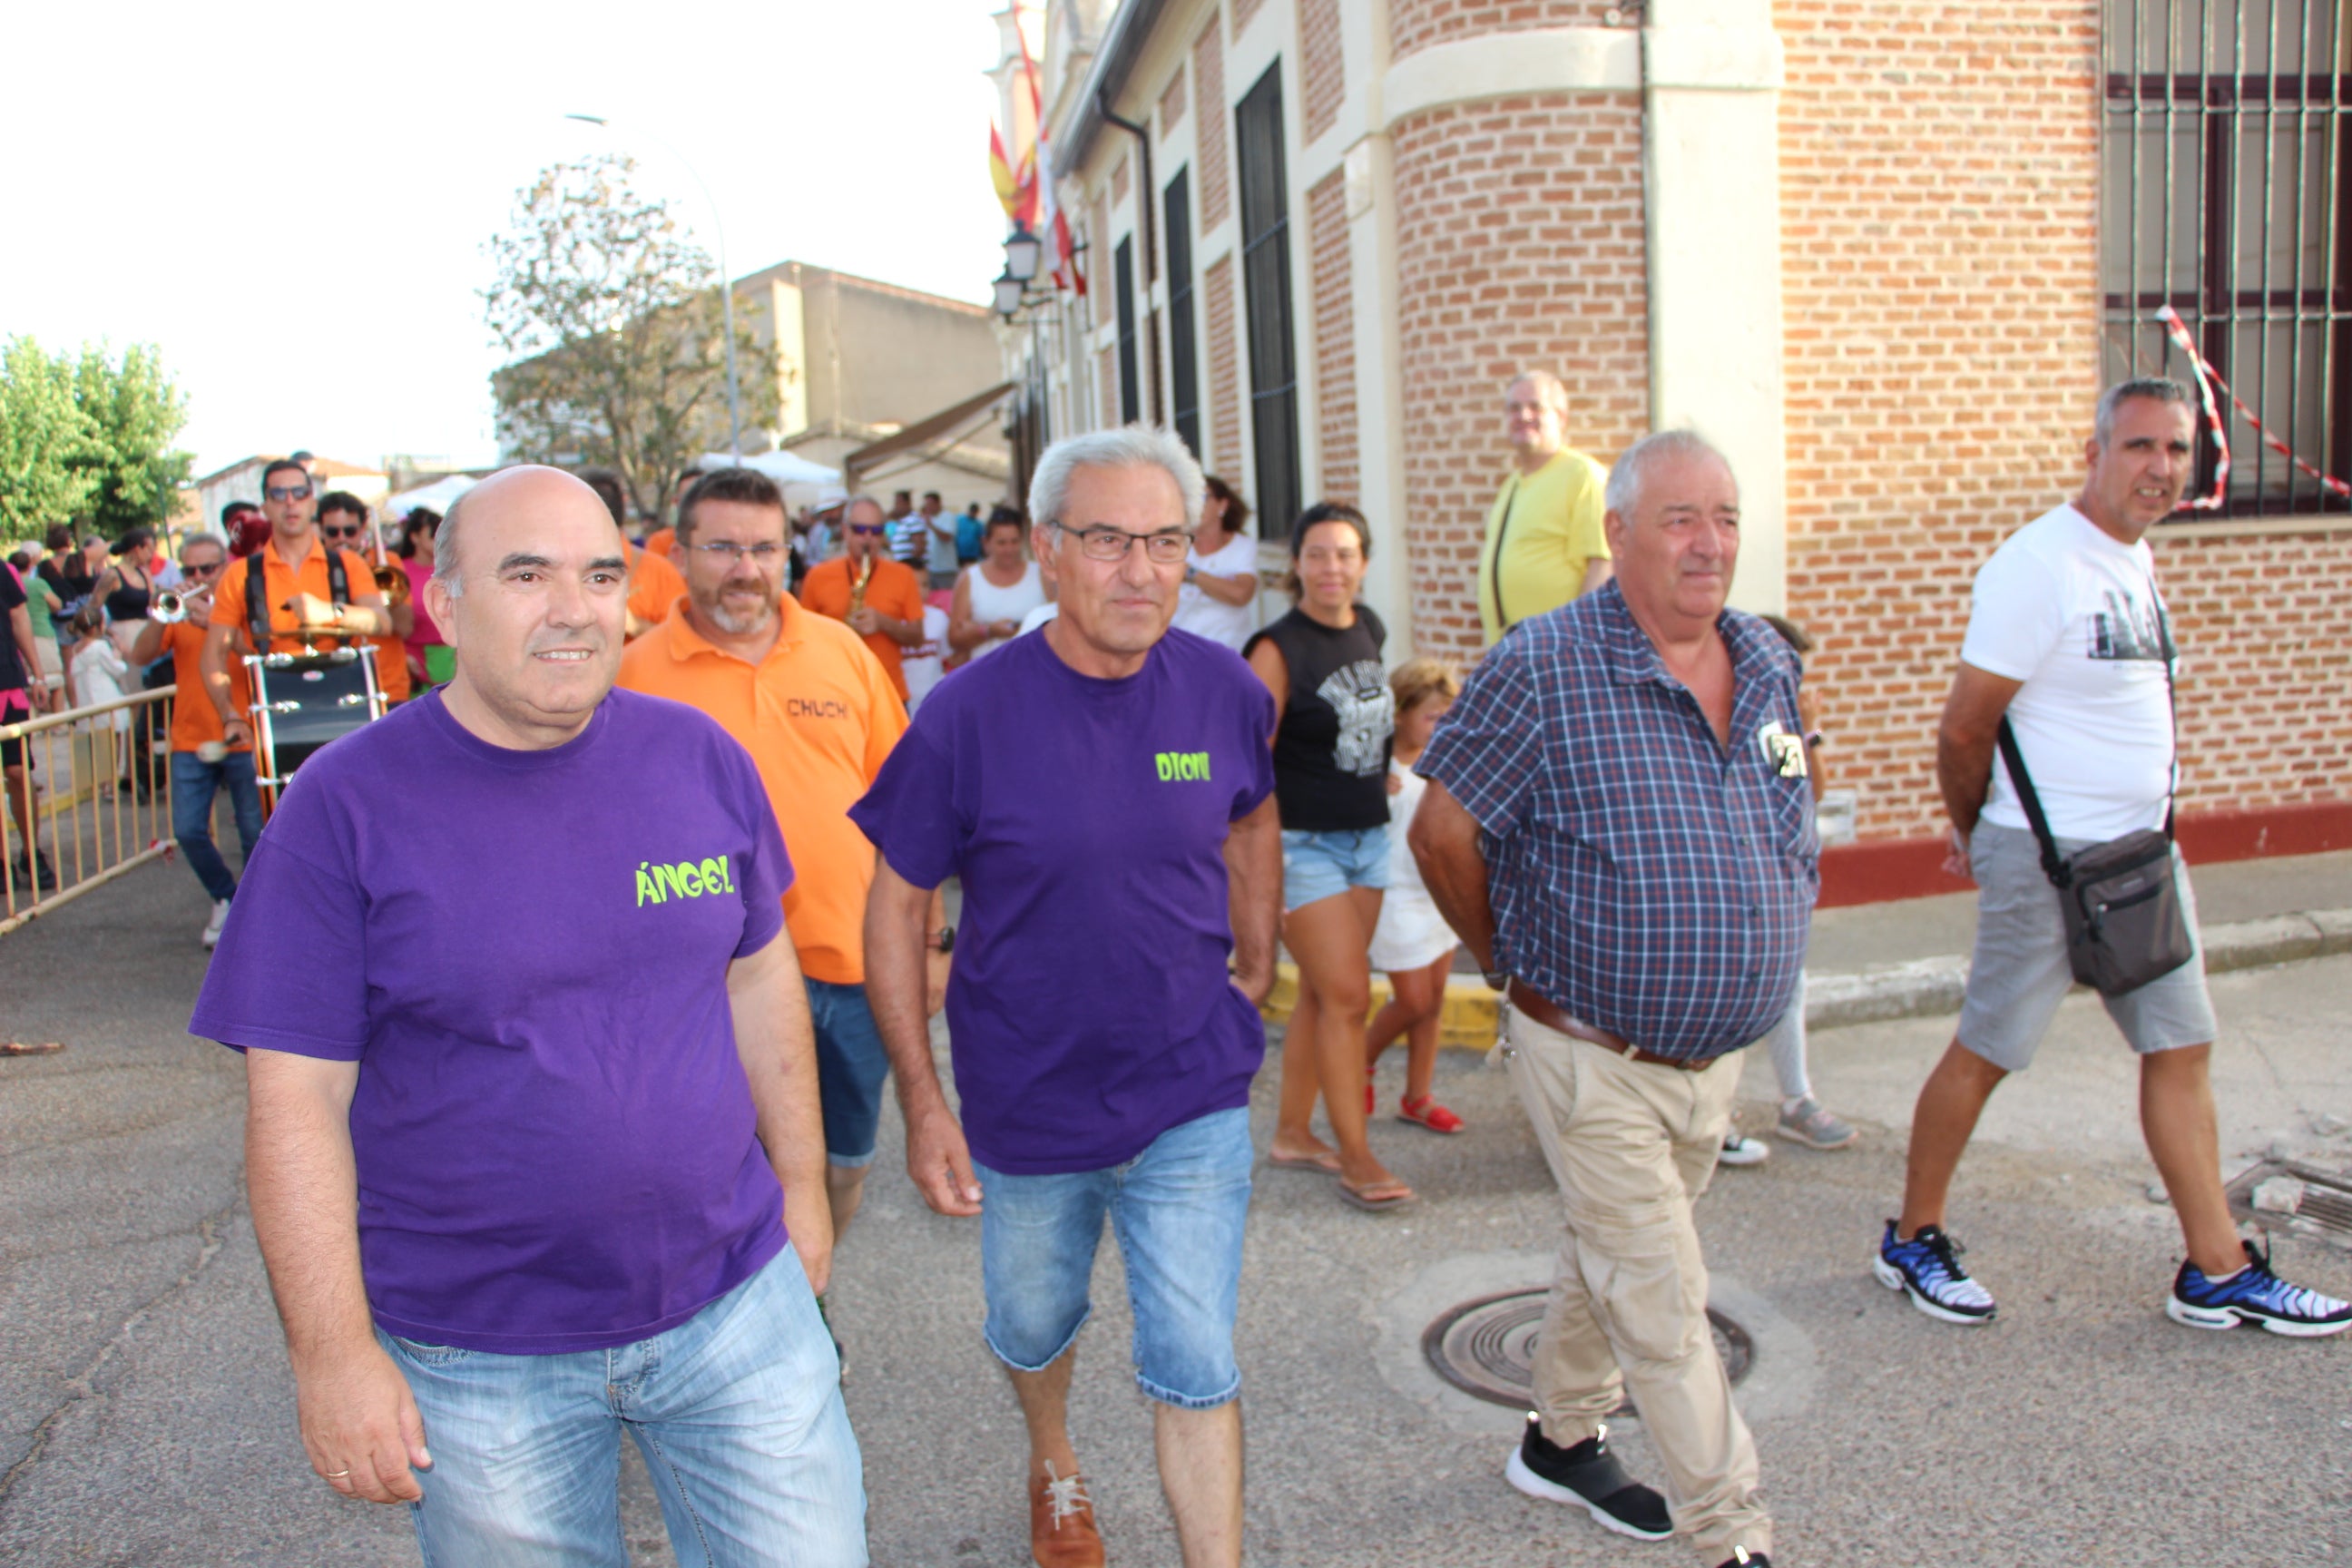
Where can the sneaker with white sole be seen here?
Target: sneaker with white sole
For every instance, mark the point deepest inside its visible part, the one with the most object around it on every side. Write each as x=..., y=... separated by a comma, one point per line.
x=213, y=926
x=1928, y=1269
x=1812, y=1123
x=1738, y=1148
x=2254, y=1295
x=1588, y=1476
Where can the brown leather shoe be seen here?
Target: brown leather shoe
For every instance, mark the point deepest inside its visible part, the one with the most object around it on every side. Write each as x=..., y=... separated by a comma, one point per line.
x=1062, y=1531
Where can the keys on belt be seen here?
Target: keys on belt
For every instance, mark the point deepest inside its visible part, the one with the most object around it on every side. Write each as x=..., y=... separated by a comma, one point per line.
x=1542, y=1008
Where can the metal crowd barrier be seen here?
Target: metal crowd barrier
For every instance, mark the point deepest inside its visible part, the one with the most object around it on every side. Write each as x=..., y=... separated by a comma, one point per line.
x=91, y=825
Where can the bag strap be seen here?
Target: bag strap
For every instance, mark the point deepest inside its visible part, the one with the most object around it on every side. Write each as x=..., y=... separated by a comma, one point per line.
x=2054, y=865
x=2171, y=703
x=257, y=601
x=1495, y=567
x=339, y=579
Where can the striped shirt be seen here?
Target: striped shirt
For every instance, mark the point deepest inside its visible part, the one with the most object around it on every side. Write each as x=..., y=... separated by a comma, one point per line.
x=1644, y=877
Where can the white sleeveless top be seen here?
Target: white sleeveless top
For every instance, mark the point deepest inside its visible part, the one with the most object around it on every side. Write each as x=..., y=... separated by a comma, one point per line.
x=991, y=603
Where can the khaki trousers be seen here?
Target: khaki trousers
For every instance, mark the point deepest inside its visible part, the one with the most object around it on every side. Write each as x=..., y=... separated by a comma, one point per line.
x=1632, y=1146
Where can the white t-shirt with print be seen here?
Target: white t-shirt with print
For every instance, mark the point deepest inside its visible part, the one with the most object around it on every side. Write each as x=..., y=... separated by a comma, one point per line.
x=924, y=664
x=2074, y=614
x=1203, y=617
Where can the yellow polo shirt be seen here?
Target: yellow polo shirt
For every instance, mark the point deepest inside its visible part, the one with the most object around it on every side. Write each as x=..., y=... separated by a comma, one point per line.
x=818, y=716
x=1543, y=532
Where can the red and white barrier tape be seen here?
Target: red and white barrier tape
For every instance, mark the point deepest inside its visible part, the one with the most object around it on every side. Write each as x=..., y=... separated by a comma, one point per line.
x=2207, y=379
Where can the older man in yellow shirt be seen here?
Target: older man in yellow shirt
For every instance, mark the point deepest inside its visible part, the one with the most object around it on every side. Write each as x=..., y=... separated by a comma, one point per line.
x=1544, y=543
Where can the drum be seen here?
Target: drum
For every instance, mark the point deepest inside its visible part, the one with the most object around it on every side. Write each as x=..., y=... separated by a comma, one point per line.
x=302, y=700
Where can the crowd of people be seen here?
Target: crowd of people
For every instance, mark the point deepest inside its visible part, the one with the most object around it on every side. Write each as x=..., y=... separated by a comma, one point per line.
x=550, y=1140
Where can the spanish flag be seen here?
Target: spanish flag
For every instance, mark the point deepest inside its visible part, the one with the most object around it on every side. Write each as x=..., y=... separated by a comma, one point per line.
x=1015, y=190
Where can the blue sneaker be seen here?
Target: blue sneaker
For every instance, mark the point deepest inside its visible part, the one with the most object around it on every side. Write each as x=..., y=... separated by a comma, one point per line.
x=2254, y=1295
x=1927, y=1268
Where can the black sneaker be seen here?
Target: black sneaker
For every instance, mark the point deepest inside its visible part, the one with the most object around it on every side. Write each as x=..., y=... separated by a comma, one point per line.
x=1742, y=1558
x=1588, y=1476
x=35, y=875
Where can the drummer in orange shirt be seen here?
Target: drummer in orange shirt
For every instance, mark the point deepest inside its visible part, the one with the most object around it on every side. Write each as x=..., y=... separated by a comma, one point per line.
x=805, y=698
x=343, y=525
x=202, y=762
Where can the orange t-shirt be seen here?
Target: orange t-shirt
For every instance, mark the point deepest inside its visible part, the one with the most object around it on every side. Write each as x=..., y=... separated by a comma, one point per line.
x=655, y=585
x=280, y=583
x=894, y=589
x=195, y=719
x=818, y=719
x=661, y=542
x=391, y=668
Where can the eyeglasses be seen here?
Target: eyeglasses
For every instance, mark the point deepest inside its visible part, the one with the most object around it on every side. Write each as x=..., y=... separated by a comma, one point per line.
x=287, y=492
x=872, y=529
x=1112, y=544
x=730, y=551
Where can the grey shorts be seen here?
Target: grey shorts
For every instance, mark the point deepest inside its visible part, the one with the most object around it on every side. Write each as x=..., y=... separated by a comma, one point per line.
x=2018, y=974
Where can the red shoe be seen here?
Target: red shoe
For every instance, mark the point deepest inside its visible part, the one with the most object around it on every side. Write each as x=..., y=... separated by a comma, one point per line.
x=1371, y=1097
x=1427, y=1113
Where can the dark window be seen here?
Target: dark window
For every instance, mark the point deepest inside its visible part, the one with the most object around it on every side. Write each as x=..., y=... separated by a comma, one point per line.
x=1130, y=405
x=1265, y=280
x=1184, y=347
x=2223, y=150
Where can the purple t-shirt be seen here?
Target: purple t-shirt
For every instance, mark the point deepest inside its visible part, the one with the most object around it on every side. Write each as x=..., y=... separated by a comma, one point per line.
x=1089, y=1005
x=526, y=953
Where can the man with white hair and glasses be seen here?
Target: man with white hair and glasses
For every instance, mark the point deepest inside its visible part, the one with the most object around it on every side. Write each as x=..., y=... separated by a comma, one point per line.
x=1105, y=793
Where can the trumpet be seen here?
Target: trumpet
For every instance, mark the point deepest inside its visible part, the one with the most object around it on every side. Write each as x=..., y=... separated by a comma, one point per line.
x=392, y=582
x=170, y=607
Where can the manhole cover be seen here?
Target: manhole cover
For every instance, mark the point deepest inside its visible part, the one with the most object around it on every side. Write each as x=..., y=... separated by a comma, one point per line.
x=1486, y=1347
x=2309, y=1200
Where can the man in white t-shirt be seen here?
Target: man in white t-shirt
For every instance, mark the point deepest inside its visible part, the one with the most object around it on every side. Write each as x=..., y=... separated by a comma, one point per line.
x=2069, y=638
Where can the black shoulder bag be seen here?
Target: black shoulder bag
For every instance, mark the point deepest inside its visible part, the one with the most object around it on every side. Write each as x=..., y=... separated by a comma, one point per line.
x=2121, y=900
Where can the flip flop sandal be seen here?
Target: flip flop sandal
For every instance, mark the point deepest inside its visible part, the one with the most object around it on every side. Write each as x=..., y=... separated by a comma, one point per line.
x=1321, y=1165
x=1427, y=1112
x=1400, y=1196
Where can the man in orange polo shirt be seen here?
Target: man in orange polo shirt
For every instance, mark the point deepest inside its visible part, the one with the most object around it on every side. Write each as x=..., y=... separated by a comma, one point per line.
x=297, y=589
x=343, y=525
x=802, y=696
x=892, y=615
x=203, y=764
x=654, y=585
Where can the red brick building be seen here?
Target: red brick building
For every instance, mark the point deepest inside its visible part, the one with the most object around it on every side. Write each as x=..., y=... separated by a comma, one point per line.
x=1884, y=252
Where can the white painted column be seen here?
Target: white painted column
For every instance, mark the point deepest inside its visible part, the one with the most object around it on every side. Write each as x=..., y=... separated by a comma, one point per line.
x=1711, y=80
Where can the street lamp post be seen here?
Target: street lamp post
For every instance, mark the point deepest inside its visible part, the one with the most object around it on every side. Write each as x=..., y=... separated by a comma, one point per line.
x=726, y=282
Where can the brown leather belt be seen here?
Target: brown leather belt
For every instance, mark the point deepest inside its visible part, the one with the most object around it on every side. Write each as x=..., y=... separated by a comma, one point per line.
x=1542, y=1008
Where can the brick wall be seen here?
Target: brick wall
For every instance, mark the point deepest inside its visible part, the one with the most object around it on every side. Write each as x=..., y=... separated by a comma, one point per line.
x=1171, y=102
x=1938, y=213
x=1519, y=245
x=1415, y=24
x=1224, y=373
x=1322, y=72
x=1209, y=86
x=1335, y=343
x=1243, y=10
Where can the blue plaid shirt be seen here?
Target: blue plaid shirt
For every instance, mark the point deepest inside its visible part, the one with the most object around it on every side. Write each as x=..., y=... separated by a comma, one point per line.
x=1644, y=878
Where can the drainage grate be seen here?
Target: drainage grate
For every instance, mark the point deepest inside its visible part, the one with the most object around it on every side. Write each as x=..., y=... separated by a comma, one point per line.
x=2308, y=1200
x=1486, y=1347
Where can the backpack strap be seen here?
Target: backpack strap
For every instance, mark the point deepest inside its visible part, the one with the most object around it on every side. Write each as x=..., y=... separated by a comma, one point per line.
x=257, y=601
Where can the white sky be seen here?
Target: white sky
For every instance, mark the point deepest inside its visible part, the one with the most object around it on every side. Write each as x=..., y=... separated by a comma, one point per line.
x=290, y=200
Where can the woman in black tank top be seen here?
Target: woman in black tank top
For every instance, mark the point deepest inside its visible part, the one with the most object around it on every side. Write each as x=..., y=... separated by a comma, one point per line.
x=1336, y=719
x=127, y=589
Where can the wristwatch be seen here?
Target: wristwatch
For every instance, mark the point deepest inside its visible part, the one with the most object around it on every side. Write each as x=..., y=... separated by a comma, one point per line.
x=941, y=939
x=1497, y=979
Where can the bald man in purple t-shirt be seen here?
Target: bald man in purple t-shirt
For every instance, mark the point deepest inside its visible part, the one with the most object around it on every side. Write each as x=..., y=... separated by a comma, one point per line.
x=533, y=1144
x=1104, y=790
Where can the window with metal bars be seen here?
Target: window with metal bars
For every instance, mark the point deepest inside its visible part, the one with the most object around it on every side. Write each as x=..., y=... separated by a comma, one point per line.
x=2222, y=148
x=1265, y=279
x=1130, y=399
x=1183, y=345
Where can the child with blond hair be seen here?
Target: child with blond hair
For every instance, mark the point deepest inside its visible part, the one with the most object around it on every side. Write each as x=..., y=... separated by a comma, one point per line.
x=1411, y=943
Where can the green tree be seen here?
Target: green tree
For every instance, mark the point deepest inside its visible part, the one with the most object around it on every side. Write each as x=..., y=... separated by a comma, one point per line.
x=134, y=412
x=612, y=318
x=44, y=435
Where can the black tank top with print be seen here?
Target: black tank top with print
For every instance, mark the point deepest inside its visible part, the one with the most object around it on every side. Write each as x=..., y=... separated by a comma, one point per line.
x=1338, y=720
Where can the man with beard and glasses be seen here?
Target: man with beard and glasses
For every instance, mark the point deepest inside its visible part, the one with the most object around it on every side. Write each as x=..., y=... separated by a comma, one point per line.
x=817, y=711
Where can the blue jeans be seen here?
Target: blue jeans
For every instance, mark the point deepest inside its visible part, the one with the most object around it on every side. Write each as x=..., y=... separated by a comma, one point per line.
x=850, y=1067
x=195, y=783
x=737, y=1410
x=1178, y=1210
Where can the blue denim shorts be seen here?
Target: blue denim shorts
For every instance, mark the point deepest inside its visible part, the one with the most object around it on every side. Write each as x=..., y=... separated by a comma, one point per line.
x=851, y=1066
x=1319, y=865
x=1178, y=1210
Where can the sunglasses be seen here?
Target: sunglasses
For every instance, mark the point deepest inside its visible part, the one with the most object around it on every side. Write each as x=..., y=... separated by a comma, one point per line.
x=868, y=528
x=351, y=533
x=288, y=492
x=207, y=570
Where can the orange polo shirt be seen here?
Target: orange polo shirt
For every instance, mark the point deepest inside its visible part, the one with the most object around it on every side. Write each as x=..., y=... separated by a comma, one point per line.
x=655, y=585
x=280, y=583
x=195, y=719
x=818, y=719
x=894, y=589
x=661, y=542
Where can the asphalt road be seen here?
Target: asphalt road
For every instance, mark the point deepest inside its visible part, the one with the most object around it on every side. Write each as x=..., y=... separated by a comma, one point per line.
x=146, y=1412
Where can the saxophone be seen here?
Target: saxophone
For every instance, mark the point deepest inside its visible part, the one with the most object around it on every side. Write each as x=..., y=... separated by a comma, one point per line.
x=858, y=583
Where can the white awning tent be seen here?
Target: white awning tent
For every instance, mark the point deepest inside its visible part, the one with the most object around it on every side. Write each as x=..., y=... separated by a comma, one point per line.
x=439, y=496
x=785, y=468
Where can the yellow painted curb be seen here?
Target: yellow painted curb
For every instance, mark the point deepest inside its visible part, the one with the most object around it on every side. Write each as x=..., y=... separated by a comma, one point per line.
x=1469, y=1021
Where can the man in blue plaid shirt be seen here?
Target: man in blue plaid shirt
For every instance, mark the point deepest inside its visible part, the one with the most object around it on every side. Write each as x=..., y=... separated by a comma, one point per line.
x=1619, y=827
